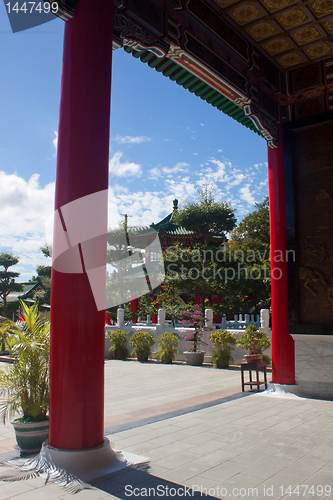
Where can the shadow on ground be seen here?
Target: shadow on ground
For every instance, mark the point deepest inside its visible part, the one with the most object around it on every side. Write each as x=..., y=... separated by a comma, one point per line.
x=133, y=483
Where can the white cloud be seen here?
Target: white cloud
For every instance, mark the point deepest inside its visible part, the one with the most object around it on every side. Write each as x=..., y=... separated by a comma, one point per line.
x=246, y=195
x=123, y=168
x=154, y=173
x=129, y=139
x=55, y=142
x=24, y=206
x=178, y=167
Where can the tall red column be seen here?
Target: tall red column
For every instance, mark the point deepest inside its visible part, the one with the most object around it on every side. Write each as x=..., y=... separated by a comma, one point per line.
x=283, y=358
x=77, y=327
x=134, y=307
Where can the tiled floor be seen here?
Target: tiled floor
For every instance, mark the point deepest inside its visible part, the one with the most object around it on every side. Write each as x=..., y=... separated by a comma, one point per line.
x=198, y=436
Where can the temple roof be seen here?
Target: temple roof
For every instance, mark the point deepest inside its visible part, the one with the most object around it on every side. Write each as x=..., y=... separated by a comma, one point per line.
x=167, y=228
x=262, y=62
x=28, y=291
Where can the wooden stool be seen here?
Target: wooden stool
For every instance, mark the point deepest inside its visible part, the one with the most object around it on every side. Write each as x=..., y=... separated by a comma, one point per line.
x=258, y=367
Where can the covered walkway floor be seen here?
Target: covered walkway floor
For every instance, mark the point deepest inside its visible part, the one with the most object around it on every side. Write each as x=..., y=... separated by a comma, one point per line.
x=200, y=431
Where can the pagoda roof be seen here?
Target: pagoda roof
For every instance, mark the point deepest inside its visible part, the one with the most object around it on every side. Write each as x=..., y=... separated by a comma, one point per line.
x=167, y=227
x=28, y=291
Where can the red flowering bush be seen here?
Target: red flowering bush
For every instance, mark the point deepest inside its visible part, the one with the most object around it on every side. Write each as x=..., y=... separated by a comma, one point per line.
x=196, y=320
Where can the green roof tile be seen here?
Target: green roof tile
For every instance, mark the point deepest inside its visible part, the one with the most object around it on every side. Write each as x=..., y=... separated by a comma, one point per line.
x=190, y=82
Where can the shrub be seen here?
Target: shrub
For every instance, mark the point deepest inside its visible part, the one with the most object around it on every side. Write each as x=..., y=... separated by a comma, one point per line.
x=223, y=342
x=167, y=347
x=253, y=340
x=119, y=341
x=142, y=342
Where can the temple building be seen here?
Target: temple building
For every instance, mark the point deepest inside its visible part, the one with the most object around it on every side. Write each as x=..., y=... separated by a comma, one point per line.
x=268, y=65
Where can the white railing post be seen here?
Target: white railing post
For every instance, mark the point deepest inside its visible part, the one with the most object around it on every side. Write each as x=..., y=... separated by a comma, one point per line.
x=264, y=318
x=161, y=317
x=120, y=317
x=209, y=318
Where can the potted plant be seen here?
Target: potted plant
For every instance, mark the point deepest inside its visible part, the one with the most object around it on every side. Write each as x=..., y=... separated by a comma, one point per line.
x=167, y=347
x=24, y=386
x=194, y=319
x=223, y=342
x=254, y=342
x=142, y=342
x=119, y=348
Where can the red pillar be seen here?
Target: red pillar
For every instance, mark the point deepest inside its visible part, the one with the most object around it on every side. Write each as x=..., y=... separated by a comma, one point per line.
x=283, y=358
x=134, y=307
x=154, y=317
x=77, y=332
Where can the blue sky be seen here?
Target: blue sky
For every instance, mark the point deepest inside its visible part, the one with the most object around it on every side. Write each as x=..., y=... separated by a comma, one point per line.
x=165, y=143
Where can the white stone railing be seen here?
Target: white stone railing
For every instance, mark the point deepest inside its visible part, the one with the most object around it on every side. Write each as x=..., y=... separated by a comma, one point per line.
x=236, y=326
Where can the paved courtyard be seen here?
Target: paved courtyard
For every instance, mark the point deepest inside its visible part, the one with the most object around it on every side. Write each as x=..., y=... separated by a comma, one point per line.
x=202, y=436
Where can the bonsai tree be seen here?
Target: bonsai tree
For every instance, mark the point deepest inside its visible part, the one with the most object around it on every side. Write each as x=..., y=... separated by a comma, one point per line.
x=142, y=342
x=223, y=342
x=167, y=347
x=119, y=348
x=253, y=340
x=24, y=386
x=195, y=320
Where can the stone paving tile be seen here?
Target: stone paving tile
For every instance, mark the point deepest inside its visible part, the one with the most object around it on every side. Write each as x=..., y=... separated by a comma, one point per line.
x=265, y=468
x=280, y=481
x=95, y=494
x=233, y=487
x=8, y=490
x=214, y=458
x=48, y=492
x=329, y=466
x=296, y=450
x=204, y=448
x=184, y=472
x=176, y=460
x=224, y=471
x=170, y=449
x=200, y=438
x=252, y=456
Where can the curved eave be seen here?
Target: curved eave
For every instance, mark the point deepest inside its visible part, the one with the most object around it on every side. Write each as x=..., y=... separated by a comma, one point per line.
x=193, y=84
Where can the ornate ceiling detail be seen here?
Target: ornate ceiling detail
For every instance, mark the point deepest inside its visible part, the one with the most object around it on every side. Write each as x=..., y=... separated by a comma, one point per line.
x=290, y=33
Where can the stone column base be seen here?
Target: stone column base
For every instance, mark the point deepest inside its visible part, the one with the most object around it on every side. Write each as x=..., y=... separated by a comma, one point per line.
x=85, y=464
x=314, y=365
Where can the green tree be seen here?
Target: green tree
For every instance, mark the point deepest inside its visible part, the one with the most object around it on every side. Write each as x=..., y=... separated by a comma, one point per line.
x=44, y=277
x=206, y=216
x=199, y=270
x=255, y=226
x=238, y=270
x=250, y=247
x=7, y=278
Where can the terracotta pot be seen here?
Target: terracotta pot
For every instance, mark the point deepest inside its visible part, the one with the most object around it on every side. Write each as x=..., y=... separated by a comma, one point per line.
x=194, y=358
x=253, y=358
x=30, y=436
x=142, y=357
x=119, y=354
